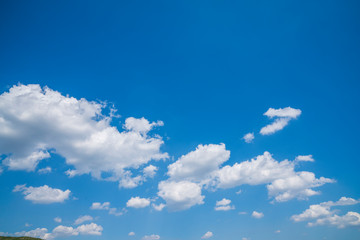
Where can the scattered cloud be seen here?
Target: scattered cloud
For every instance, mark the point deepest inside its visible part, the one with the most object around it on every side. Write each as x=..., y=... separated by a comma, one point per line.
x=138, y=202
x=82, y=219
x=159, y=207
x=207, y=235
x=42, y=119
x=45, y=170
x=63, y=231
x=249, y=137
x=282, y=117
x=106, y=206
x=304, y=158
x=224, y=205
x=199, y=165
x=180, y=195
x=277, y=231
x=322, y=214
x=150, y=171
x=151, y=237
x=43, y=194
x=131, y=234
x=256, y=214
x=58, y=219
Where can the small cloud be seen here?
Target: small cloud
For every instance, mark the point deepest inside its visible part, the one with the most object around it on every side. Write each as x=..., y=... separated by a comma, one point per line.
x=256, y=214
x=304, y=158
x=151, y=237
x=277, y=231
x=58, y=220
x=239, y=192
x=82, y=219
x=224, y=205
x=27, y=225
x=131, y=234
x=282, y=117
x=158, y=207
x=249, y=137
x=137, y=202
x=45, y=170
x=242, y=213
x=207, y=235
x=43, y=194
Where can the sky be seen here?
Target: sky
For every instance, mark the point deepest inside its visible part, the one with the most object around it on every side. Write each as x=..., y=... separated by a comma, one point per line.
x=174, y=120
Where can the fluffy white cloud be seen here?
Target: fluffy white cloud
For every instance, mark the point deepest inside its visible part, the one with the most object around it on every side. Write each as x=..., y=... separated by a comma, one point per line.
x=58, y=219
x=151, y=237
x=44, y=170
x=224, y=205
x=180, y=195
x=63, y=231
x=249, y=137
x=207, y=235
x=321, y=214
x=304, y=158
x=159, y=207
x=43, y=194
x=131, y=234
x=106, y=206
x=140, y=125
x=200, y=164
x=137, y=202
x=256, y=214
x=33, y=120
x=284, y=183
x=150, y=171
x=82, y=219
x=282, y=115
x=297, y=186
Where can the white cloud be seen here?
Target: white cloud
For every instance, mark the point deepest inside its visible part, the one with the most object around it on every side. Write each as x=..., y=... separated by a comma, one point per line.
x=224, y=205
x=100, y=206
x=200, y=164
x=297, y=186
x=277, y=231
x=207, y=235
x=43, y=194
x=90, y=229
x=283, y=112
x=256, y=214
x=249, y=137
x=151, y=237
x=150, y=171
x=36, y=233
x=321, y=214
x=131, y=234
x=180, y=195
x=58, y=219
x=106, y=206
x=44, y=170
x=140, y=125
x=82, y=219
x=282, y=115
x=304, y=158
x=137, y=202
x=43, y=119
x=159, y=207
x=283, y=182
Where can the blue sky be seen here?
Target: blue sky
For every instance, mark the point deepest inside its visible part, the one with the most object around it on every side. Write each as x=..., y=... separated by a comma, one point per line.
x=133, y=113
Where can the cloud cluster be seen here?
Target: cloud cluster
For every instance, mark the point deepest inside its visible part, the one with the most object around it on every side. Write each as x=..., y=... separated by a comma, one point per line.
x=106, y=206
x=203, y=168
x=322, y=214
x=224, y=205
x=34, y=120
x=63, y=231
x=282, y=118
x=43, y=194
